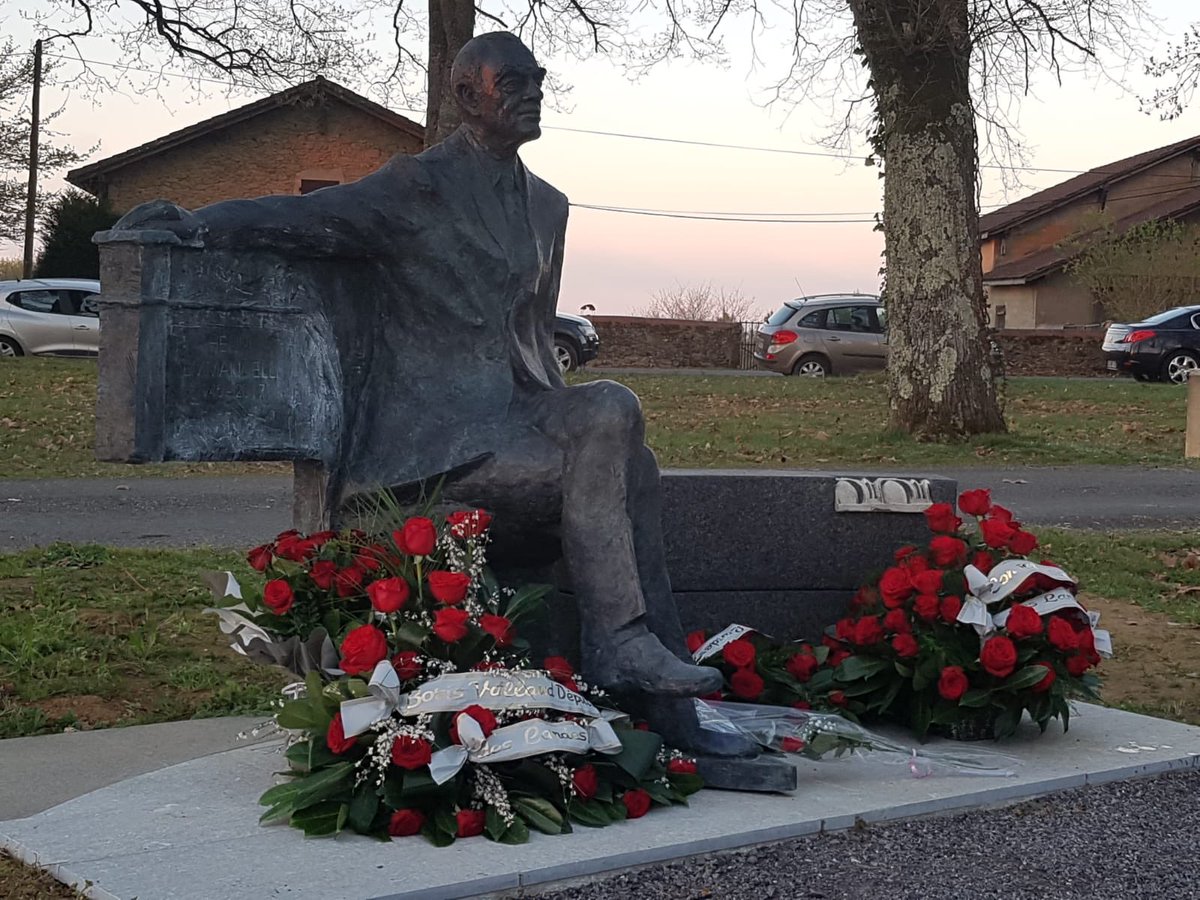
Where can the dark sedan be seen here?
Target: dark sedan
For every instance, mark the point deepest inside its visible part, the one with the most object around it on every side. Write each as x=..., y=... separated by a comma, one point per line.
x=1165, y=347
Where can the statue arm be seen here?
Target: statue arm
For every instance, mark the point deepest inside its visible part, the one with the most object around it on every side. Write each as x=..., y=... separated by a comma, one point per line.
x=550, y=304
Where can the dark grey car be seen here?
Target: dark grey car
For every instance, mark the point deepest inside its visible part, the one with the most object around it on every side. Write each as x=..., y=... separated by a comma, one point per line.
x=826, y=334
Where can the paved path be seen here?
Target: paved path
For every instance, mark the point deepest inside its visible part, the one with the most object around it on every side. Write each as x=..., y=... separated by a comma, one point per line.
x=241, y=511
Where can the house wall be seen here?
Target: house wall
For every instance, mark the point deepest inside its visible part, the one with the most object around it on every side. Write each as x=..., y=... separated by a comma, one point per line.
x=1060, y=300
x=322, y=139
x=1019, y=302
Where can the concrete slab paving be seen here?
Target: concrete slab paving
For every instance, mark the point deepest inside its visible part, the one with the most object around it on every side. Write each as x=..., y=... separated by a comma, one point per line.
x=189, y=830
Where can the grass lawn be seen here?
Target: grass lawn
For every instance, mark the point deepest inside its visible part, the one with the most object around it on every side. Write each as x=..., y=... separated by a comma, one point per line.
x=46, y=421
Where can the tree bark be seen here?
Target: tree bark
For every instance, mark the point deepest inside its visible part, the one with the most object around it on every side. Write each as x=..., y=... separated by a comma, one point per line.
x=451, y=24
x=941, y=374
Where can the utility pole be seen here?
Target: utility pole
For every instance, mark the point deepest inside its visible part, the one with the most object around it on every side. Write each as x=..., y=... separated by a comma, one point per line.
x=35, y=121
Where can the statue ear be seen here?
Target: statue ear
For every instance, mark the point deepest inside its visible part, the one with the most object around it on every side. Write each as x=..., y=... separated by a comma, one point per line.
x=467, y=96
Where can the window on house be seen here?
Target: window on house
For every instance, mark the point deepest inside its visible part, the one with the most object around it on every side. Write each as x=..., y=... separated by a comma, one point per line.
x=308, y=185
x=1003, y=247
x=1001, y=314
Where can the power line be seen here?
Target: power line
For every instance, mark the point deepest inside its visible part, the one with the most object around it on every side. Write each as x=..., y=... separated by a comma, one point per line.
x=721, y=217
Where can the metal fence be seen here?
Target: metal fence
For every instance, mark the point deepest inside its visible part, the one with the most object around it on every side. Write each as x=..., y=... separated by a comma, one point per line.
x=747, y=341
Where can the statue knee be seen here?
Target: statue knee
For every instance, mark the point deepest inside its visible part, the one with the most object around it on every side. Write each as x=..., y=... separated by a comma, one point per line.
x=610, y=409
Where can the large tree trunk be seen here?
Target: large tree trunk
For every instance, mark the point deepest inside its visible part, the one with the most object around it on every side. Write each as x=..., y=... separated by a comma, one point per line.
x=941, y=377
x=451, y=24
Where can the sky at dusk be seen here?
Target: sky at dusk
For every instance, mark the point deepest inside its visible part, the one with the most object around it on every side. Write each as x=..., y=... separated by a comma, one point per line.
x=617, y=261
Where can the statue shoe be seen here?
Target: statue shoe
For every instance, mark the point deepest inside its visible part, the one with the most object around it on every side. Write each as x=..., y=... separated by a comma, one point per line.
x=641, y=663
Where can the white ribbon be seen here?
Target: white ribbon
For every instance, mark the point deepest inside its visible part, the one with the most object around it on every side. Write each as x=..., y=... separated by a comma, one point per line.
x=532, y=737
x=717, y=642
x=1005, y=577
x=359, y=714
x=238, y=627
x=495, y=690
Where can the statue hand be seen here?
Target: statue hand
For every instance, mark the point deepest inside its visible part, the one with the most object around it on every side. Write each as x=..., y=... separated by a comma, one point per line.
x=162, y=215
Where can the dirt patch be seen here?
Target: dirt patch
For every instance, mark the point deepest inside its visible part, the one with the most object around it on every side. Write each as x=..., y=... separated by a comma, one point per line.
x=1156, y=662
x=105, y=620
x=21, y=882
x=89, y=710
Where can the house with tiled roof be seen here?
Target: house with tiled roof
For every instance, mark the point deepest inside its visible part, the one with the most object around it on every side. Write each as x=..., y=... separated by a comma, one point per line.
x=1026, y=246
x=298, y=140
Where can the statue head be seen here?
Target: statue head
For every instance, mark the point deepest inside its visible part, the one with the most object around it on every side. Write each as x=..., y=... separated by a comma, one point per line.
x=498, y=86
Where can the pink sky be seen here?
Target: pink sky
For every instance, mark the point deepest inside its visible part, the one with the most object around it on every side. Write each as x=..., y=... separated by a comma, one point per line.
x=615, y=262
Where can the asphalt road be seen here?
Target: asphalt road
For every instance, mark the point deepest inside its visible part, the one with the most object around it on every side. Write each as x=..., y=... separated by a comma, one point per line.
x=242, y=511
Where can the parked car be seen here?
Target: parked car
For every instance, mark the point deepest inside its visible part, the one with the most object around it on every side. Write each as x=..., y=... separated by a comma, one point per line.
x=826, y=334
x=575, y=341
x=1165, y=347
x=56, y=316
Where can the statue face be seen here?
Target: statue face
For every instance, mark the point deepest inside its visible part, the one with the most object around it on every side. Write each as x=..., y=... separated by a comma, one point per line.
x=510, y=98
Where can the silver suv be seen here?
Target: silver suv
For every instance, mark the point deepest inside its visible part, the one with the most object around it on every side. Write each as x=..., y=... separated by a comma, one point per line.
x=826, y=334
x=55, y=316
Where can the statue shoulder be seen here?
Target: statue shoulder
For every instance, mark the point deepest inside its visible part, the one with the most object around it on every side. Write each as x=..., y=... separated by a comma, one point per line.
x=547, y=195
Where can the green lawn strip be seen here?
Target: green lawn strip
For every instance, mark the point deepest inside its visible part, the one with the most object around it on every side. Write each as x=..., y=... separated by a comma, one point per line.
x=46, y=420
x=1151, y=569
x=123, y=629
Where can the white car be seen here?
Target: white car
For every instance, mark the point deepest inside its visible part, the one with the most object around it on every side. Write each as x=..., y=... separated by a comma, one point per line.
x=54, y=316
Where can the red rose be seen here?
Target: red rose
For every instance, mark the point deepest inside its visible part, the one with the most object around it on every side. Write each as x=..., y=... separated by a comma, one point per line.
x=418, y=537
x=906, y=646
x=983, y=561
x=278, y=596
x=946, y=551
x=468, y=523
x=801, y=704
x=953, y=683
x=450, y=624
x=1087, y=645
x=362, y=648
x=637, y=803
x=348, y=581
x=739, y=653
x=928, y=582
x=294, y=547
x=1061, y=635
x=260, y=557
x=747, y=684
x=695, y=640
x=1022, y=543
x=1044, y=685
x=321, y=538
x=835, y=658
x=1004, y=515
x=406, y=822
x=802, y=666
x=407, y=665
x=682, y=766
x=915, y=564
x=864, y=598
x=449, y=587
x=388, y=595
x=904, y=553
x=1022, y=622
x=998, y=656
x=941, y=518
x=411, y=752
x=868, y=631
x=470, y=822
x=838, y=698
x=996, y=532
x=926, y=607
x=322, y=573
x=896, y=586
x=897, y=622
x=1078, y=664
x=976, y=502
x=844, y=629
x=498, y=627
x=585, y=782
x=335, y=737
x=366, y=561
x=485, y=717
x=559, y=667
x=791, y=745
x=949, y=609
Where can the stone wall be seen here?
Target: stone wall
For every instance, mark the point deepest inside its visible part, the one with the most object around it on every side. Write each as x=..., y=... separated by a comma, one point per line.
x=633, y=341
x=321, y=139
x=1053, y=352
x=667, y=343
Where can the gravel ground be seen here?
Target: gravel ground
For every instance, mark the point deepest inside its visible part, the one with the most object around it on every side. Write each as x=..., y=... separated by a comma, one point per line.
x=1132, y=839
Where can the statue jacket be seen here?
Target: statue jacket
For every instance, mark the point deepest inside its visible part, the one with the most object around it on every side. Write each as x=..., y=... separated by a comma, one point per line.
x=429, y=291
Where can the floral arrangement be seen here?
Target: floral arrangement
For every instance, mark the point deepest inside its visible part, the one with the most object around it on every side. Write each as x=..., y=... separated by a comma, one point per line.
x=417, y=713
x=966, y=634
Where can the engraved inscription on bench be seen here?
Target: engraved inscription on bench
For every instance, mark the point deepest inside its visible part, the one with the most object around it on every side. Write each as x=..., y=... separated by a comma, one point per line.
x=907, y=495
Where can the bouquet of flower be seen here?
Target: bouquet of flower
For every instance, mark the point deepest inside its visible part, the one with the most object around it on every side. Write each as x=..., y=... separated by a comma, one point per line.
x=758, y=669
x=417, y=713
x=967, y=634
